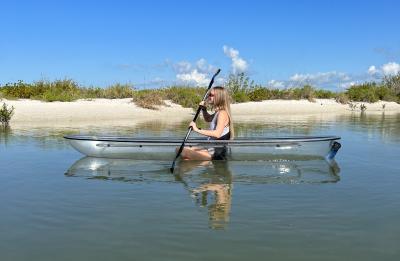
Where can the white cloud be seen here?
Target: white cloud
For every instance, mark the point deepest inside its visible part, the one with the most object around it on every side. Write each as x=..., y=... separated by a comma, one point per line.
x=193, y=74
x=238, y=64
x=391, y=68
x=329, y=80
x=325, y=78
x=182, y=67
x=193, y=77
x=300, y=77
x=230, y=52
x=276, y=84
x=202, y=66
x=198, y=73
x=372, y=70
x=346, y=85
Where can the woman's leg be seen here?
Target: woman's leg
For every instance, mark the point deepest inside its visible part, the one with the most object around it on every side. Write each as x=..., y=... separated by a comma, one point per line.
x=195, y=153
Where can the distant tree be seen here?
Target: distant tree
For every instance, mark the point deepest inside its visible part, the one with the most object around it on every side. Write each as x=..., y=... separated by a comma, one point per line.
x=393, y=83
x=239, y=86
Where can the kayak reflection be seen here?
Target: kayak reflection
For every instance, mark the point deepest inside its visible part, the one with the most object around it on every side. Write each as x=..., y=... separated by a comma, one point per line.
x=248, y=172
x=209, y=183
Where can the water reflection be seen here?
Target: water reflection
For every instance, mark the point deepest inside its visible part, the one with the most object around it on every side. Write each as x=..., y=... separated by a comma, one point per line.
x=5, y=134
x=209, y=184
x=385, y=126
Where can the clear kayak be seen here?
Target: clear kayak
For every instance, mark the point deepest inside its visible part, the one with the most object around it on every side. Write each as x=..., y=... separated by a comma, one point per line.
x=299, y=147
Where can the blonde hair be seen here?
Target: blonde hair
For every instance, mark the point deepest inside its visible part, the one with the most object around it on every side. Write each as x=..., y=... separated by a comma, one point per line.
x=222, y=101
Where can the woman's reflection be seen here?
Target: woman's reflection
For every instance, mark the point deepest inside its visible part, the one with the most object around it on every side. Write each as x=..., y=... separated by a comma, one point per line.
x=215, y=190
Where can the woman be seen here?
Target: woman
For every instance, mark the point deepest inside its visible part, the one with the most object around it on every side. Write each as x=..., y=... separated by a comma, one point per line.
x=221, y=126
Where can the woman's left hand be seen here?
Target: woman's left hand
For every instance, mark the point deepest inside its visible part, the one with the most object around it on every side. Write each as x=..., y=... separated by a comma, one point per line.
x=194, y=126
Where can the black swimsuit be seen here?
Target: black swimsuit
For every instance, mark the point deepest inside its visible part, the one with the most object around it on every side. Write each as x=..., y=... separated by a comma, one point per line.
x=220, y=152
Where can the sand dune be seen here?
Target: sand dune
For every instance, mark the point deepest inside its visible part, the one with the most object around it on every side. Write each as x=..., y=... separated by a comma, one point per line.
x=124, y=112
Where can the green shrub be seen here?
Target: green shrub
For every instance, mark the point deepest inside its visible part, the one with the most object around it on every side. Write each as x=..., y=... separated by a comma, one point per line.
x=393, y=83
x=289, y=94
x=238, y=82
x=63, y=90
x=342, y=98
x=92, y=93
x=306, y=92
x=259, y=94
x=17, y=90
x=239, y=85
x=276, y=94
x=187, y=97
x=240, y=96
x=6, y=114
x=118, y=91
x=324, y=94
x=148, y=99
x=365, y=92
x=60, y=90
x=241, y=89
x=385, y=93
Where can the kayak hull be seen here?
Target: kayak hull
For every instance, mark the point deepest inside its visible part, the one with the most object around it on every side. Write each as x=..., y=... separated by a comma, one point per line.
x=238, y=149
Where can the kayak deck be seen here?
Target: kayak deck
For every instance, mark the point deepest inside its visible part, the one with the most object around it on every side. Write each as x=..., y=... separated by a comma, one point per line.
x=238, y=149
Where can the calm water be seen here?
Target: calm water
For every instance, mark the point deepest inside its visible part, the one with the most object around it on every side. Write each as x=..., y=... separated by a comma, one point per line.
x=57, y=205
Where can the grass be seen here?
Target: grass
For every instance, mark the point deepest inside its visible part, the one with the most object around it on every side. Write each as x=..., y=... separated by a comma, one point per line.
x=240, y=86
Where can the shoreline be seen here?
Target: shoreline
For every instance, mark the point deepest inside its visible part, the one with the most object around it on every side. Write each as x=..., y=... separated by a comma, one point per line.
x=123, y=112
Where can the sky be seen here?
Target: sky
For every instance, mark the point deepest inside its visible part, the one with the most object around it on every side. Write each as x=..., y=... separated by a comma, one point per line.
x=328, y=44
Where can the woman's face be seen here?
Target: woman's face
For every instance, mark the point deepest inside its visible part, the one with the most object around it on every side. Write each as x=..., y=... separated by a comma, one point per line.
x=211, y=97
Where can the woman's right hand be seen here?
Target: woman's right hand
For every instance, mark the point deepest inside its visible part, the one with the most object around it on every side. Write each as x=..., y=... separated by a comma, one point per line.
x=203, y=106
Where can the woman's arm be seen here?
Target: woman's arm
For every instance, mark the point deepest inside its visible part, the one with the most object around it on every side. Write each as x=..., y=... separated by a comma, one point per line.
x=207, y=117
x=222, y=121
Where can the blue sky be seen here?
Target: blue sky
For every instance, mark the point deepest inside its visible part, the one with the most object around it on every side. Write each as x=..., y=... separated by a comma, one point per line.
x=330, y=44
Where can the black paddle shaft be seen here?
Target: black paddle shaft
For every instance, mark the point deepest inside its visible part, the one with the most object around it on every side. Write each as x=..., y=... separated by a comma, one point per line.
x=194, y=119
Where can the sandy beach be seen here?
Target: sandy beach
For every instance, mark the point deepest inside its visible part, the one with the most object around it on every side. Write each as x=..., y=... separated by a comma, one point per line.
x=125, y=112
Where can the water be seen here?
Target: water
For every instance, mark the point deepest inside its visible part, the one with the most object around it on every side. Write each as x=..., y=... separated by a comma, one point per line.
x=57, y=205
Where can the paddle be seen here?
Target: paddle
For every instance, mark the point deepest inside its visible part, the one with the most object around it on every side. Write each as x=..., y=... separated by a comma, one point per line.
x=194, y=119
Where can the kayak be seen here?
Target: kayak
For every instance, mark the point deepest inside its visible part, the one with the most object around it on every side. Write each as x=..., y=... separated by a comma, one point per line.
x=300, y=147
